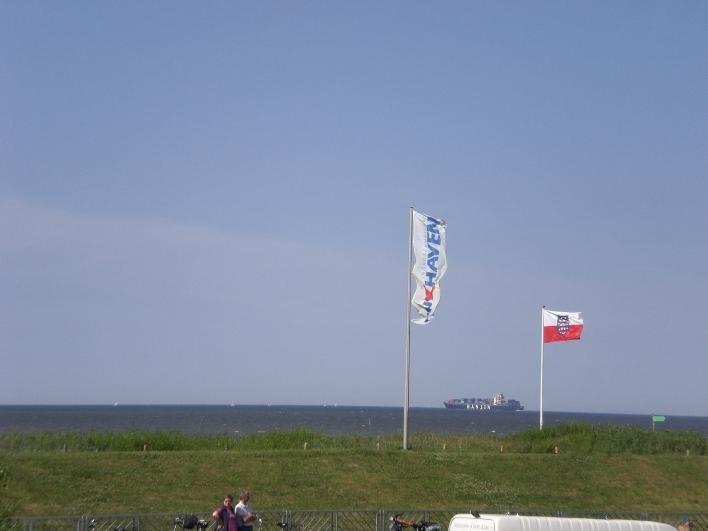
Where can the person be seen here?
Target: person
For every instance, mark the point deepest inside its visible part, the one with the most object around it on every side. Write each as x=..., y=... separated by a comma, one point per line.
x=225, y=516
x=245, y=516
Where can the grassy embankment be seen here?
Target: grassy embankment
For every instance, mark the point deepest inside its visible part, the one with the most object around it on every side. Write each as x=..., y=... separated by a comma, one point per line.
x=596, y=469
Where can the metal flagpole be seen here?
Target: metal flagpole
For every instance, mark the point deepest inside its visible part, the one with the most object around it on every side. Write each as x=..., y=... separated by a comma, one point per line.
x=407, y=378
x=540, y=408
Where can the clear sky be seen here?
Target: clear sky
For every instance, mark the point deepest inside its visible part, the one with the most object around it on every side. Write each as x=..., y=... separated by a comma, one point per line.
x=207, y=202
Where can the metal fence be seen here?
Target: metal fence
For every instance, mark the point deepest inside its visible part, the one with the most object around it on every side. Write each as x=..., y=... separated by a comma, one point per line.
x=365, y=520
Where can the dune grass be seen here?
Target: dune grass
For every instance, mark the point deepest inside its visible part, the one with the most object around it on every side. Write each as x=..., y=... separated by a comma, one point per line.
x=585, y=439
x=596, y=469
x=577, y=438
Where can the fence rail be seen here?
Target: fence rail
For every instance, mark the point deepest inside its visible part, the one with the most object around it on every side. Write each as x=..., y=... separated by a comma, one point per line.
x=364, y=520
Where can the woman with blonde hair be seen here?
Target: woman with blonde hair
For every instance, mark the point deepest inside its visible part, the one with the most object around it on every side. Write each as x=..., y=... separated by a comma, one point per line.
x=244, y=514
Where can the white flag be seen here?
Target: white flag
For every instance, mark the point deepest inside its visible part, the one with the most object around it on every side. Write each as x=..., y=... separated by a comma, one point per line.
x=429, y=266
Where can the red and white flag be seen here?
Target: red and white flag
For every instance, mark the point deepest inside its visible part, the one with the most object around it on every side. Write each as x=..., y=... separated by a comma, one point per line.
x=561, y=326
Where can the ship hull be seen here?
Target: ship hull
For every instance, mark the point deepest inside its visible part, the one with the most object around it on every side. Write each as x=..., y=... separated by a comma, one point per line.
x=497, y=403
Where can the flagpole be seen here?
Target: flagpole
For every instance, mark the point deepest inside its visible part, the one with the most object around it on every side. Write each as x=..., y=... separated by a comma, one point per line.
x=540, y=408
x=407, y=377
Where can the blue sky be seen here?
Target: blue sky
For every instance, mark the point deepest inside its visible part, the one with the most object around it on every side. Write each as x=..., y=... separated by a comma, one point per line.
x=207, y=202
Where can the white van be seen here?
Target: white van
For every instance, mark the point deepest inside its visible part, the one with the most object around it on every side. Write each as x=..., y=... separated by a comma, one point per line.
x=505, y=522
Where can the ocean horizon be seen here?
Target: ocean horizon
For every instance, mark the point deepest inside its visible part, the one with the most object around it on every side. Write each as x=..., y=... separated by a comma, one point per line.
x=330, y=405
x=244, y=419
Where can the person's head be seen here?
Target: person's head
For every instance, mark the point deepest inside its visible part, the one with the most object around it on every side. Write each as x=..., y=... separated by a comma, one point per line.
x=244, y=496
x=228, y=499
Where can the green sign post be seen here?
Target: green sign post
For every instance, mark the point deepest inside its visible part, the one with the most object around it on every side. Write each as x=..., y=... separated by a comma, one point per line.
x=655, y=419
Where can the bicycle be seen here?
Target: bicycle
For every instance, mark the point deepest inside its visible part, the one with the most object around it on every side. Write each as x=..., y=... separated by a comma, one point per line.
x=257, y=524
x=289, y=526
x=189, y=521
x=398, y=524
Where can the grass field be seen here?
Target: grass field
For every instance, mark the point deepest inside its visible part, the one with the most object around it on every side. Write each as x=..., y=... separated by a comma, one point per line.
x=594, y=469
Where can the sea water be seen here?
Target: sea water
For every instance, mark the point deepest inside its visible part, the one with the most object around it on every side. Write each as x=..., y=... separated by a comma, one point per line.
x=244, y=420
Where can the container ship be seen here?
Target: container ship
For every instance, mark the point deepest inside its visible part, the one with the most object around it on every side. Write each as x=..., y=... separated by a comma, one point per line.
x=497, y=403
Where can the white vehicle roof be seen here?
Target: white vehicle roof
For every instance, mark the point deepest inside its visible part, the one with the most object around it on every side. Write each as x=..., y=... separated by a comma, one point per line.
x=505, y=522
